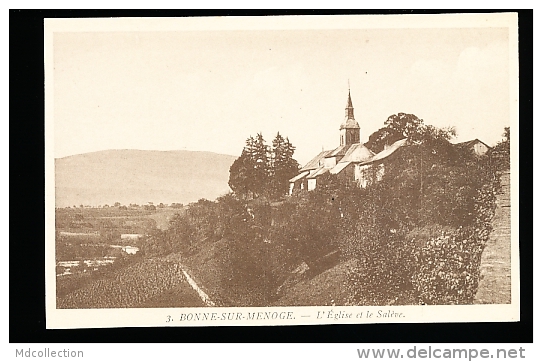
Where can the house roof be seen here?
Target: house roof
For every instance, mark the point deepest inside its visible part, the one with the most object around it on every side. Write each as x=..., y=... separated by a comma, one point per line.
x=387, y=152
x=470, y=143
x=318, y=172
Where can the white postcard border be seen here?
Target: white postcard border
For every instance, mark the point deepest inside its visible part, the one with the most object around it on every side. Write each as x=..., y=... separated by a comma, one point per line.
x=95, y=318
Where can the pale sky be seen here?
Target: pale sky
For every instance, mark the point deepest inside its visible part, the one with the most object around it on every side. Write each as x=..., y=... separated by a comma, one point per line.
x=210, y=90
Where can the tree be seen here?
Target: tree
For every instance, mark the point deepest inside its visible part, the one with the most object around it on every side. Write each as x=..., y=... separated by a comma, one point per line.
x=384, y=136
x=310, y=221
x=283, y=166
x=259, y=178
x=405, y=124
x=402, y=125
x=240, y=174
x=261, y=170
x=249, y=173
x=428, y=146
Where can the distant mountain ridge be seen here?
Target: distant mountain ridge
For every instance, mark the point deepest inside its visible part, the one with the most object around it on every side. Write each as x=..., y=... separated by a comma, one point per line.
x=138, y=176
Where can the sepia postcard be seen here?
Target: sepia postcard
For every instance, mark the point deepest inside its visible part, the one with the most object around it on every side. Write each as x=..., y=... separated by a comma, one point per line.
x=281, y=170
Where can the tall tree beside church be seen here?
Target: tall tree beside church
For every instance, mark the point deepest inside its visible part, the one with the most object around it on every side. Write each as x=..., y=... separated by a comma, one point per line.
x=249, y=174
x=260, y=174
x=261, y=170
x=284, y=167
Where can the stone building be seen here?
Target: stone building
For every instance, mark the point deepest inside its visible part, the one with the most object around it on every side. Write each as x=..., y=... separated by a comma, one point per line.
x=342, y=160
x=351, y=160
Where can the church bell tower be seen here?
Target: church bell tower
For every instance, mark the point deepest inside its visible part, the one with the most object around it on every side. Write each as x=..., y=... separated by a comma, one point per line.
x=349, y=130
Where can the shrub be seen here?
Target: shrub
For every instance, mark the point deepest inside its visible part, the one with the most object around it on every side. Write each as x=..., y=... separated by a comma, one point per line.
x=382, y=276
x=308, y=224
x=448, y=268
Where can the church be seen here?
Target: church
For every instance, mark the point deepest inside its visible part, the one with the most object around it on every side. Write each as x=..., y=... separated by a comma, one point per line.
x=350, y=160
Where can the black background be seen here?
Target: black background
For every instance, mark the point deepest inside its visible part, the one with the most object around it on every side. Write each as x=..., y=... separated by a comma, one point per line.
x=27, y=222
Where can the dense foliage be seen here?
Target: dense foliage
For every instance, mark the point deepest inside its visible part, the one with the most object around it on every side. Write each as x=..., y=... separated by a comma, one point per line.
x=416, y=232
x=500, y=154
x=428, y=224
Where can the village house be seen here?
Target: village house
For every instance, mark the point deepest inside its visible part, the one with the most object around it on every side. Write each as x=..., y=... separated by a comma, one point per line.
x=475, y=145
x=351, y=160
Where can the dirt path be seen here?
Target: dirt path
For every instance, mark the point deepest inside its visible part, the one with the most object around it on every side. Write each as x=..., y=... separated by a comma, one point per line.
x=495, y=283
x=204, y=297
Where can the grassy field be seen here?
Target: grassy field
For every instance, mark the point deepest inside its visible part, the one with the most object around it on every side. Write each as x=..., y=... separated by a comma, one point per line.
x=495, y=284
x=80, y=232
x=112, y=219
x=162, y=216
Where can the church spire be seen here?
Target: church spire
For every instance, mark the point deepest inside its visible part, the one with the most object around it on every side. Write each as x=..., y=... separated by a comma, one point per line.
x=349, y=110
x=350, y=132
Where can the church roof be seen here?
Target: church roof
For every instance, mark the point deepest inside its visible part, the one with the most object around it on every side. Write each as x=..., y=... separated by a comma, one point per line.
x=315, y=162
x=300, y=176
x=339, y=151
x=339, y=167
x=357, y=153
x=319, y=171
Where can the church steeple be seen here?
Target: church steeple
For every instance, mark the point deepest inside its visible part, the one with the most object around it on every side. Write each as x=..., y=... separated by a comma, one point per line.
x=349, y=110
x=350, y=132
